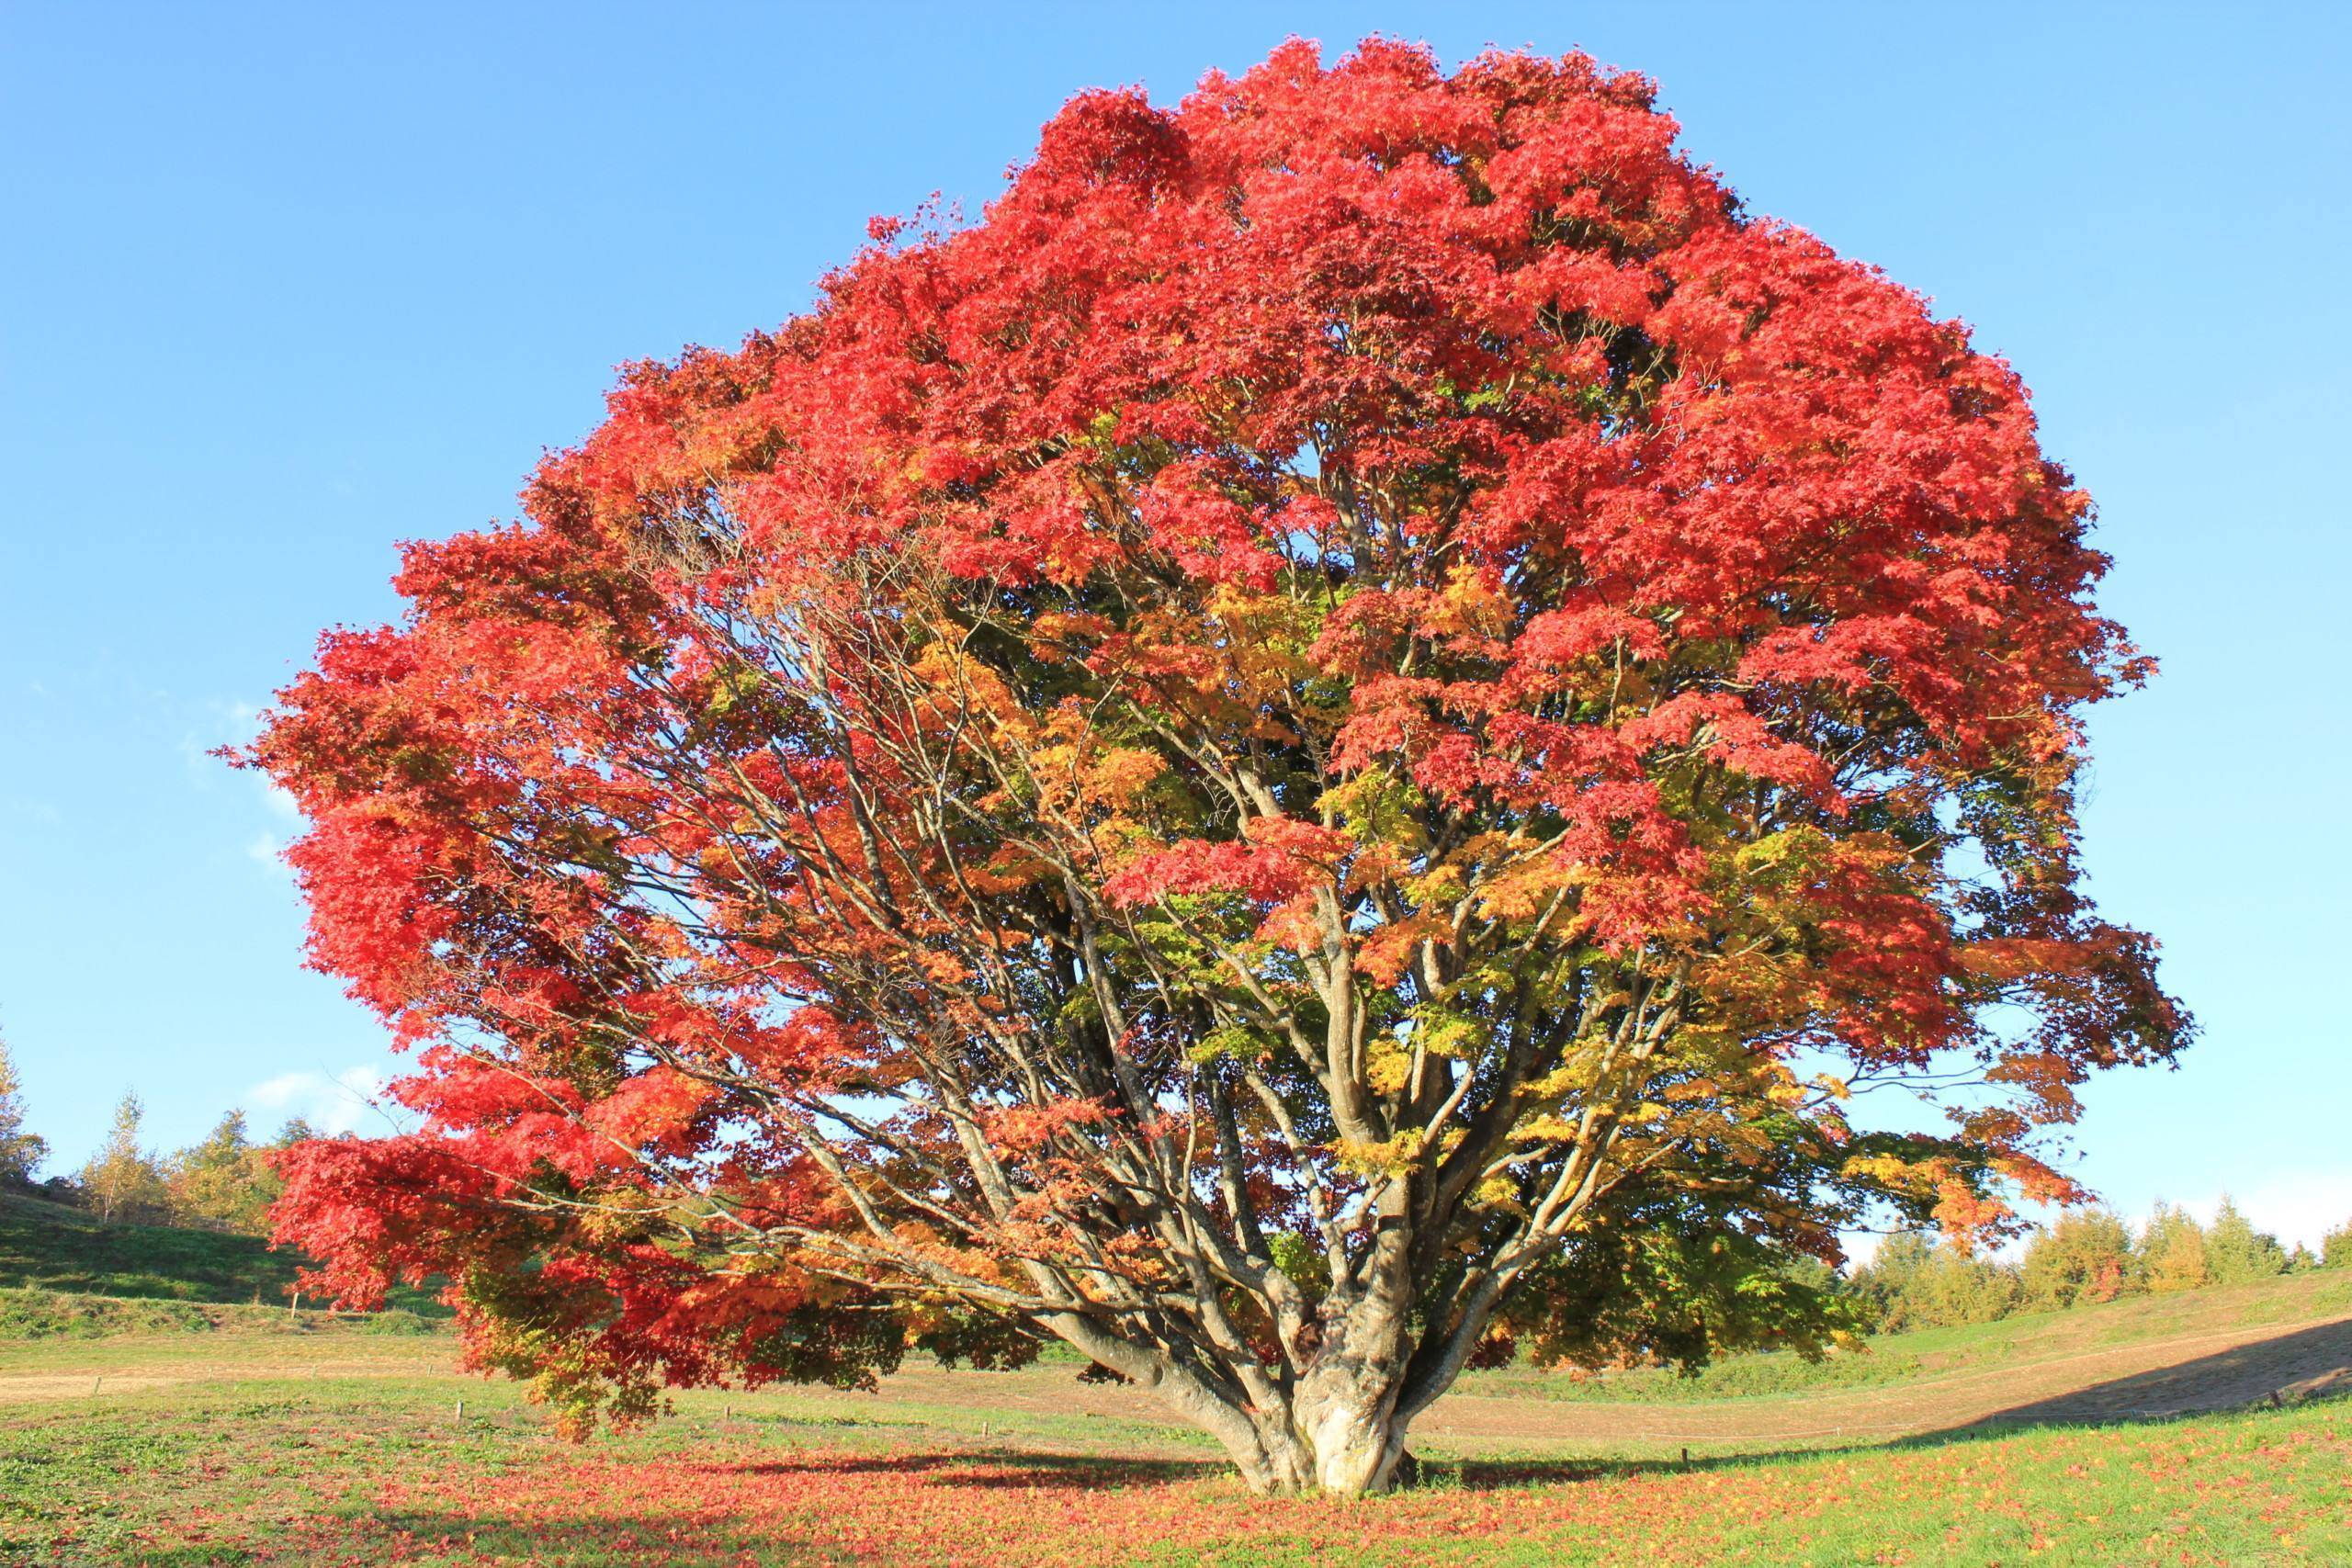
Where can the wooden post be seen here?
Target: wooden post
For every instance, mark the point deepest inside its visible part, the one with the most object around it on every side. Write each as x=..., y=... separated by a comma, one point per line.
x=461, y=1410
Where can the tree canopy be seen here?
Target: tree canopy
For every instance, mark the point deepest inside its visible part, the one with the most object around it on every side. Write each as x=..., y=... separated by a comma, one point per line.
x=1330, y=742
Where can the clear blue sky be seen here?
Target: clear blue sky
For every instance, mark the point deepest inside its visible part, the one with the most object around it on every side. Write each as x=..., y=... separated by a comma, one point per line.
x=281, y=286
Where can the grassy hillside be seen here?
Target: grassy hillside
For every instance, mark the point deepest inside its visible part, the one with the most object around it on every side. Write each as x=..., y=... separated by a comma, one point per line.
x=59, y=1249
x=52, y=1246
x=36, y=1314
x=1935, y=1352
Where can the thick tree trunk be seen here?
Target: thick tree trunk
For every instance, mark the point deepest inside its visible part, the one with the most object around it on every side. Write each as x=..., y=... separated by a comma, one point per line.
x=1342, y=1431
x=1341, y=1439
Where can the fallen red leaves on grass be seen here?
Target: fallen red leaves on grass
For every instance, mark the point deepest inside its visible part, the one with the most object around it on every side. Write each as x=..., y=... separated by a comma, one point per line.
x=751, y=1504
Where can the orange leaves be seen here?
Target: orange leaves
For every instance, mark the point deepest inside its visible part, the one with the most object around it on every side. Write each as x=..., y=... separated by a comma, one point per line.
x=657, y=1107
x=1384, y=955
x=1028, y=1128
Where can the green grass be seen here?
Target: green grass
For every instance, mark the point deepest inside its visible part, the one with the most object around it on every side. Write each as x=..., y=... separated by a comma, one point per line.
x=305, y=1469
x=52, y=1247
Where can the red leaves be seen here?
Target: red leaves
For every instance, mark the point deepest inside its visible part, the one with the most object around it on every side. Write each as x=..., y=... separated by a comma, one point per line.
x=1380, y=575
x=1208, y=536
x=376, y=1210
x=1278, y=860
x=659, y=1106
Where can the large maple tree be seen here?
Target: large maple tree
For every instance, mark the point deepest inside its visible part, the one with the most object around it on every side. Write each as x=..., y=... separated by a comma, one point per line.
x=1328, y=744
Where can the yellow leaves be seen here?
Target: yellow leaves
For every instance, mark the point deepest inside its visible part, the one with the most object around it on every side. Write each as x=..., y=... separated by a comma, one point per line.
x=1442, y=1031
x=1266, y=638
x=1917, y=1177
x=729, y=686
x=1232, y=1040
x=1521, y=893
x=1470, y=604
x=1376, y=807
x=1393, y=1158
x=1443, y=884
x=1875, y=1168
x=1578, y=1071
x=1496, y=1192
x=1545, y=1130
x=1387, y=1065
x=1789, y=849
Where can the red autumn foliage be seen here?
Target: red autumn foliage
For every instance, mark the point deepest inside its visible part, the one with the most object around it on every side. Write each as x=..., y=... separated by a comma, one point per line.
x=1329, y=741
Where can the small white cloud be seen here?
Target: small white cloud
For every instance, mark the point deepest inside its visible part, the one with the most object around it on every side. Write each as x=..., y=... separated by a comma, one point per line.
x=347, y=1101
x=264, y=850
x=25, y=808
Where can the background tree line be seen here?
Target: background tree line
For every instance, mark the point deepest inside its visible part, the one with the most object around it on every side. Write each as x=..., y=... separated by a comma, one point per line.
x=2087, y=1257
x=223, y=1182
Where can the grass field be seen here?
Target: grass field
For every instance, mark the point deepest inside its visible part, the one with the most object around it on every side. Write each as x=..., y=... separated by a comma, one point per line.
x=312, y=1438
x=347, y=1452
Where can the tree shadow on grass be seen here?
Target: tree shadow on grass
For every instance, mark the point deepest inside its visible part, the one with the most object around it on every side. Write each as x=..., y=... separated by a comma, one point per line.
x=649, y=1539
x=2304, y=1362
x=994, y=1468
x=652, y=1537
x=2312, y=1362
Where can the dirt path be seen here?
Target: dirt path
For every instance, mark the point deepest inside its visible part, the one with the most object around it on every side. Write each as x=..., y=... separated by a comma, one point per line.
x=2154, y=1377
x=199, y=1366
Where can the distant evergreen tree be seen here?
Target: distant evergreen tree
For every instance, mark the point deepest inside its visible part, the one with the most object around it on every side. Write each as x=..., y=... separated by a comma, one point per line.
x=2085, y=1257
x=225, y=1180
x=2335, y=1247
x=2237, y=1254
x=21, y=1153
x=2171, y=1253
x=1916, y=1282
x=123, y=1180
